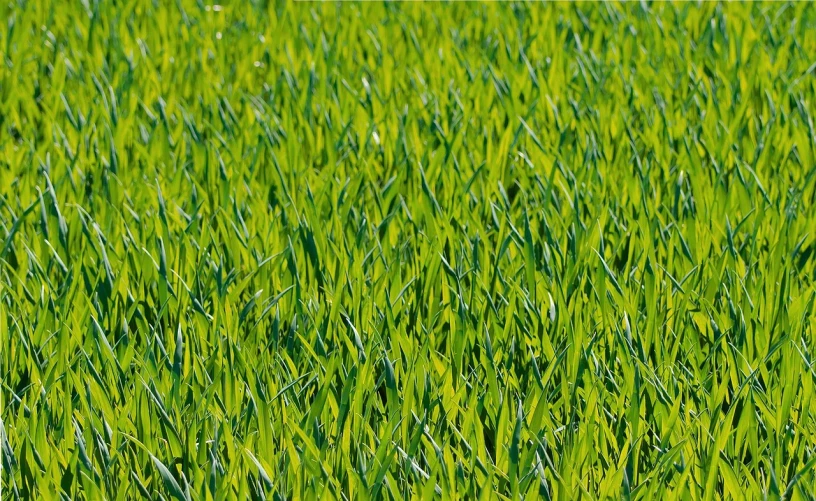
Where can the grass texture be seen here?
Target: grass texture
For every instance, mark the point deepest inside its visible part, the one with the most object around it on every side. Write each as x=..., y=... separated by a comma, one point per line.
x=275, y=250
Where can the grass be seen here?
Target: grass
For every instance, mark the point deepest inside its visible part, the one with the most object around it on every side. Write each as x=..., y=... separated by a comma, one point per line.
x=382, y=251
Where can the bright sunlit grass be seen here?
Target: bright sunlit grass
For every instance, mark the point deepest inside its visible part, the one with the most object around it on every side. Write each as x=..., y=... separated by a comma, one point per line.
x=276, y=250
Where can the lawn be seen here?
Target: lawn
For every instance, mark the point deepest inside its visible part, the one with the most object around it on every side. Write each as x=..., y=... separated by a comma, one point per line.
x=301, y=250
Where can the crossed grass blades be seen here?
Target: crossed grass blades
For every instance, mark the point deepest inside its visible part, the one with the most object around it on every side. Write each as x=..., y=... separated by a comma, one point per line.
x=455, y=251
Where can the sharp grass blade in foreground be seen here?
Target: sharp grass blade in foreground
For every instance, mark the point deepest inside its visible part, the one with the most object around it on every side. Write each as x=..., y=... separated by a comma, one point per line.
x=313, y=250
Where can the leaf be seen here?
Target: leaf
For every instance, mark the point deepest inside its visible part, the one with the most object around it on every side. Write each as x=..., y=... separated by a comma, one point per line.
x=170, y=482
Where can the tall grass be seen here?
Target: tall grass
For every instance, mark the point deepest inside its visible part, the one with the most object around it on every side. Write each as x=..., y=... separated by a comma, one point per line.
x=277, y=250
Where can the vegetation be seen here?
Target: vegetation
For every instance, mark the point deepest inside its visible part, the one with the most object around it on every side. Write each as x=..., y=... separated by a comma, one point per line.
x=382, y=251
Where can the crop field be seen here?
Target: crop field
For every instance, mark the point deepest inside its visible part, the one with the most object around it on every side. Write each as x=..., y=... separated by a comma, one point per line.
x=304, y=250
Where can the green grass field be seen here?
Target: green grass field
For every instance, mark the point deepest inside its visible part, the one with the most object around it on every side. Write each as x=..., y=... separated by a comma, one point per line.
x=410, y=250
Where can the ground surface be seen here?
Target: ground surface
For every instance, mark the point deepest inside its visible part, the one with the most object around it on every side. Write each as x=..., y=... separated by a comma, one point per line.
x=305, y=250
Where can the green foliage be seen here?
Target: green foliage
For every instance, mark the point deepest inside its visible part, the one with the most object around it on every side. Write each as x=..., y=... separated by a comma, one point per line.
x=384, y=251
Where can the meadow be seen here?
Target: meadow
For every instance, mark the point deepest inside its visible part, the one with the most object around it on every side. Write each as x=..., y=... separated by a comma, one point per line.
x=306, y=250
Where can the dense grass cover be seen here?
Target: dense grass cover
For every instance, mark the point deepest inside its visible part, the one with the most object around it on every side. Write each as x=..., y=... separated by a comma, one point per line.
x=341, y=251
